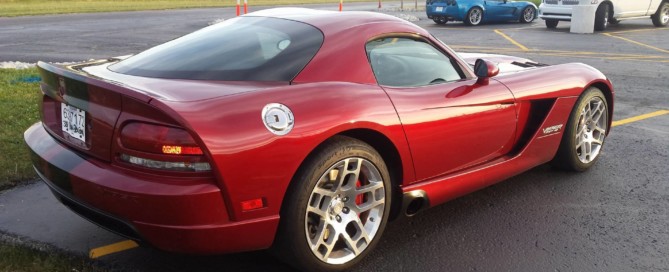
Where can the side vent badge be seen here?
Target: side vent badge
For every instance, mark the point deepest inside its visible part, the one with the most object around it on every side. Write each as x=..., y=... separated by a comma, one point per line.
x=278, y=118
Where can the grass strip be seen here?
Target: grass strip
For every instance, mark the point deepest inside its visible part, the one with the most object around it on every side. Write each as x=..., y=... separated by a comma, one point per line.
x=11, y=8
x=18, y=254
x=19, y=94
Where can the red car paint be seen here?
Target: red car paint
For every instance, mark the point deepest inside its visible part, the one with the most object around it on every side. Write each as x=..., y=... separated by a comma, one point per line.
x=444, y=139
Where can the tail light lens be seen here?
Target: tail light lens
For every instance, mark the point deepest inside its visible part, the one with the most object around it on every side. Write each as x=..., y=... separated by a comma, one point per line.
x=161, y=147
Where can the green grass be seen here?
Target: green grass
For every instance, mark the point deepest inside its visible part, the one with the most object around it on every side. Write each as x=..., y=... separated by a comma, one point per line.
x=11, y=8
x=18, y=258
x=18, y=110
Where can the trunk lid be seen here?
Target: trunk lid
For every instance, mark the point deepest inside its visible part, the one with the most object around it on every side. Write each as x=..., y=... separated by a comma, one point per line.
x=82, y=104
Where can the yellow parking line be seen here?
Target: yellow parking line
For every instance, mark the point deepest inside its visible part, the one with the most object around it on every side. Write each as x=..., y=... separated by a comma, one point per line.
x=638, y=43
x=522, y=47
x=639, y=118
x=113, y=248
x=638, y=30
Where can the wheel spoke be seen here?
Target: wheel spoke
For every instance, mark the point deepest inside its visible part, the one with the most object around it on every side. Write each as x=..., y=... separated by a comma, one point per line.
x=362, y=234
x=369, y=205
x=597, y=141
x=369, y=188
x=323, y=192
x=351, y=244
x=598, y=113
x=317, y=211
x=579, y=141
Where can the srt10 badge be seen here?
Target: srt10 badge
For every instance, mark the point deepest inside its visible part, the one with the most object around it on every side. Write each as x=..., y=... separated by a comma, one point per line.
x=552, y=129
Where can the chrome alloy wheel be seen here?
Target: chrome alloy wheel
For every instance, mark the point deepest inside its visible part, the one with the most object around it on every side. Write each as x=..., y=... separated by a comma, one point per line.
x=345, y=210
x=475, y=16
x=591, y=130
x=665, y=14
x=528, y=15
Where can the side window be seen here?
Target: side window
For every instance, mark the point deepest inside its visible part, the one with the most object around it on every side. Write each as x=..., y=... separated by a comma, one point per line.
x=403, y=62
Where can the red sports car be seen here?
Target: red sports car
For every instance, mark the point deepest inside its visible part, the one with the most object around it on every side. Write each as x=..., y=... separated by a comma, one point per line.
x=303, y=131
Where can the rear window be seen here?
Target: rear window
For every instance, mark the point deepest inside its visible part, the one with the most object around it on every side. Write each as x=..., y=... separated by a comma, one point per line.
x=240, y=49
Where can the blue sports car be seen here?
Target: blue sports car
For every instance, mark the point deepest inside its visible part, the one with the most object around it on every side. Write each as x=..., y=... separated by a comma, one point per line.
x=474, y=12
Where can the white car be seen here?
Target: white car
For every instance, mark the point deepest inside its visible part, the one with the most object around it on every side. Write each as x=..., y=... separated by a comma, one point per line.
x=608, y=11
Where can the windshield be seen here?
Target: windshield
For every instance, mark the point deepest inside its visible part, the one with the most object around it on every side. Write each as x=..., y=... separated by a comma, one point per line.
x=240, y=49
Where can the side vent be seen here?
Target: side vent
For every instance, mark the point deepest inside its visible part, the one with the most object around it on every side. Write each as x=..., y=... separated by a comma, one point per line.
x=538, y=112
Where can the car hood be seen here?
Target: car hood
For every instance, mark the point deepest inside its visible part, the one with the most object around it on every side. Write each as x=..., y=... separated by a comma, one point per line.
x=506, y=64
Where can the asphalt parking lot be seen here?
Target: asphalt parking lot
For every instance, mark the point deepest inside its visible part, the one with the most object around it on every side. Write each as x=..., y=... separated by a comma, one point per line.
x=611, y=218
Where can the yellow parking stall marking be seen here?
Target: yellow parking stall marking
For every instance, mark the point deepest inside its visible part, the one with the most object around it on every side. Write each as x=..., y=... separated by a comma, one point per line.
x=113, y=248
x=562, y=53
x=637, y=30
x=639, y=118
x=638, y=43
x=522, y=47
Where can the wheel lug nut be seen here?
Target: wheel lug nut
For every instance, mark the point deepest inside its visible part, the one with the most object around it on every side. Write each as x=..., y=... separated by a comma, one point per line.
x=338, y=218
x=345, y=209
x=345, y=199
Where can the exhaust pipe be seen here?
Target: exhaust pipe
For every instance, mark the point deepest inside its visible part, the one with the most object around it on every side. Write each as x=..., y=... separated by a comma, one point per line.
x=414, y=201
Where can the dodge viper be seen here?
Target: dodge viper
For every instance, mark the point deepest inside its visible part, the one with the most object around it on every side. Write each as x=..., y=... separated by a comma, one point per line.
x=301, y=131
x=475, y=12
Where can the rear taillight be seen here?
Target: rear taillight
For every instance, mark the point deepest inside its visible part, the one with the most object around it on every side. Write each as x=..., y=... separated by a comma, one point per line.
x=161, y=147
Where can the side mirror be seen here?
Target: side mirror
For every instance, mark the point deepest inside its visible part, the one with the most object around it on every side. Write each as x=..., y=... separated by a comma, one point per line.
x=485, y=69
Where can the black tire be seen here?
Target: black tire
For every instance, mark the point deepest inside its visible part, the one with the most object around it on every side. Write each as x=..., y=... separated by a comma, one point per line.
x=602, y=17
x=471, y=19
x=661, y=16
x=551, y=23
x=527, y=9
x=567, y=157
x=291, y=244
x=441, y=20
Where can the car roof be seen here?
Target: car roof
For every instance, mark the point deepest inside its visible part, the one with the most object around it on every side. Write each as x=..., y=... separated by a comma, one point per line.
x=342, y=56
x=327, y=21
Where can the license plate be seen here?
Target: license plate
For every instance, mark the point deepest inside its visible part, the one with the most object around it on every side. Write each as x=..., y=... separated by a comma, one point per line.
x=439, y=9
x=73, y=122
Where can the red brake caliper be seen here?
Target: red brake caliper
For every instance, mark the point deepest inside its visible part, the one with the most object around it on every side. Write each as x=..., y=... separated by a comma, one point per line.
x=359, y=198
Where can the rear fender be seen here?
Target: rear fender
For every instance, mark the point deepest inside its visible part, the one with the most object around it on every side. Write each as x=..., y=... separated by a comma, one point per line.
x=253, y=163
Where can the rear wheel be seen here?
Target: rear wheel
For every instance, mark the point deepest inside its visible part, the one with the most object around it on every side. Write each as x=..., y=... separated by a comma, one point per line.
x=552, y=23
x=336, y=209
x=584, y=135
x=661, y=17
x=474, y=16
x=440, y=20
x=602, y=17
x=528, y=14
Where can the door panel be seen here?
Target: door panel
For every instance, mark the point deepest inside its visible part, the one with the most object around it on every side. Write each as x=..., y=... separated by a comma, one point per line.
x=450, y=121
x=627, y=8
x=498, y=10
x=451, y=126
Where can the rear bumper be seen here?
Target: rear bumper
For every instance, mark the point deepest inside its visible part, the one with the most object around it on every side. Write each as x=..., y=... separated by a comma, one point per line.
x=452, y=13
x=174, y=215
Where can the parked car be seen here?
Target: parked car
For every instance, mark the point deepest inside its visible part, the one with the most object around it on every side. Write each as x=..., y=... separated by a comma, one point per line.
x=475, y=12
x=607, y=12
x=302, y=131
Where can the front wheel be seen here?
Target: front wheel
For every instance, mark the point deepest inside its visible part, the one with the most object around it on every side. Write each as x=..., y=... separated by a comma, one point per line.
x=661, y=17
x=336, y=209
x=474, y=16
x=552, y=23
x=528, y=14
x=584, y=135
